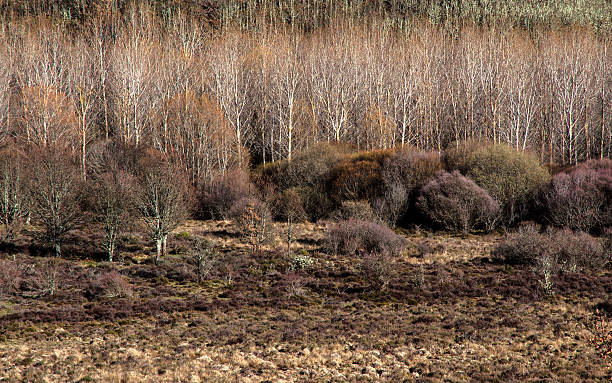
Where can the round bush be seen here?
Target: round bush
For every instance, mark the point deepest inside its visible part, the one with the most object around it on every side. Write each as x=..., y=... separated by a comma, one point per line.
x=402, y=174
x=347, y=237
x=222, y=194
x=453, y=202
x=511, y=177
x=581, y=198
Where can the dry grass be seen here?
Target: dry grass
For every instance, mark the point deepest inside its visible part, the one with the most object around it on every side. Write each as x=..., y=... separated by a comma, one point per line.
x=448, y=315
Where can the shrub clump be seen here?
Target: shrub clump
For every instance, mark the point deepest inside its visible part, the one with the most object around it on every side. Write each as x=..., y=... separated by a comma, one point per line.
x=254, y=221
x=377, y=269
x=523, y=246
x=511, y=177
x=360, y=210
x=358, y=177
x=454, y=202
x=224, y=192
x=349, y=236
x=10, y=277
x=287, y=206
x=580, y=199
x=110, y=284
x=569, y=251
x=403, y=173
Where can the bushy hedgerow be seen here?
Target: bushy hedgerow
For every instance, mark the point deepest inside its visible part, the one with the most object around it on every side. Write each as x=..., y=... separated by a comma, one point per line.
x=580, y=198
x=308, y=174
x=403, y=173
x=109, y=284
x=358, y=177
x=288, y=206
x=349, y=236
x=569, y=251
x=511, y=177
x=219, y=197
x=360, y=210
x=454, y=202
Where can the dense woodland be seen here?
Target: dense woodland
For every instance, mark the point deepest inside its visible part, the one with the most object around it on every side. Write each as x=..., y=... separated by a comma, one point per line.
x=254, y=157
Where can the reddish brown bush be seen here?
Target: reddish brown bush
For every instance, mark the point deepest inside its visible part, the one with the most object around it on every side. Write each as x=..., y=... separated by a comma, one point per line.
x=109, y=284
x=349, y=236
x=219, y=197
x=10, y=277
x=355, y=179
x=253, y=220
x=454, y=202
x=402, y=174
x=569, y=251
x=581, y=198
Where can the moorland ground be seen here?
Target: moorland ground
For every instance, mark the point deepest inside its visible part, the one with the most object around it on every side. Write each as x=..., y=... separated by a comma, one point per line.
x=449, y=313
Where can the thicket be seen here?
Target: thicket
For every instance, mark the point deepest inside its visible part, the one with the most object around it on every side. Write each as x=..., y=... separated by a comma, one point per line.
x=568, y=250
x=580, y=198
x=453, y=202
x=511, y=177
x=315, y=14
x=313, y=109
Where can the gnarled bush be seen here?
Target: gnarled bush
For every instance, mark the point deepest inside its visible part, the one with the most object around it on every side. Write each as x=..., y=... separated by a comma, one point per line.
x=351, y=235
x=511, y=177
x=581, y=198
x=454, y=202
x=402, y=174
x=219, y=197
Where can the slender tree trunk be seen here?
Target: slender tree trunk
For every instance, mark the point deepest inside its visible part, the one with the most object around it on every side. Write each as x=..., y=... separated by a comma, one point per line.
x=158, y=244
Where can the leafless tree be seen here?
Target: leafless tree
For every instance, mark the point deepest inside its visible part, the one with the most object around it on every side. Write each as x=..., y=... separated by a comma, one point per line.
x=230, y=81
x=83, y=85
x=55, y=192
x=162, y=199
x=13, y=195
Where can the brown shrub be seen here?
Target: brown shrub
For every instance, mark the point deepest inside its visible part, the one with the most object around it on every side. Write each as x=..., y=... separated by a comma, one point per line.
x=254, y=220
x=288, y=206
x=220, y=196
x=377, y=269
x=402, y=174
x=355, y=179
x=523, y=246
x=454, y=202
x=10, y=277
x=109, y=284
x=351, y=235
x=569, y=251
x=581, y=198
